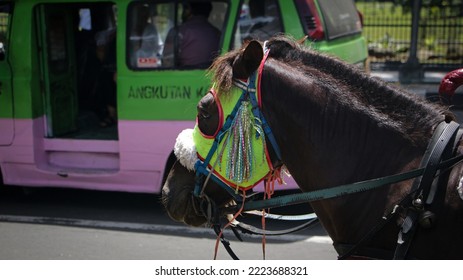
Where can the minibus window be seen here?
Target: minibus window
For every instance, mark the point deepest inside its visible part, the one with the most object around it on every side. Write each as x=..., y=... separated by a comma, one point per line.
x=174, y=34
x=341, y=18
x=259, y=20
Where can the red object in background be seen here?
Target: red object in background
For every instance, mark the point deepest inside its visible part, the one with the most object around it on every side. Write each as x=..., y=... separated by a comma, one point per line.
x=451, y=82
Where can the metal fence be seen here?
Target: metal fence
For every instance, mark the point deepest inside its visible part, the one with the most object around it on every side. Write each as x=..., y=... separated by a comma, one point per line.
x=387, y=28
x=3, y=22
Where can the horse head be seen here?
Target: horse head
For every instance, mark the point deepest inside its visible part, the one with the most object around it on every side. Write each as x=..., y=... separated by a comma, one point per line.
x=178, y=189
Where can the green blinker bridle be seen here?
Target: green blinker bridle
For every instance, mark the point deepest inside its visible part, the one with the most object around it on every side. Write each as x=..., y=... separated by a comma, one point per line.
x=237, y=158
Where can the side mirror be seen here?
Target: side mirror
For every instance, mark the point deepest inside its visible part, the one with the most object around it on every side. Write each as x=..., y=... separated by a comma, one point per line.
x=2, y=52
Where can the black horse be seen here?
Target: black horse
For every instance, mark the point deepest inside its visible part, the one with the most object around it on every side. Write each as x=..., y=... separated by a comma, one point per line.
x=336, y=125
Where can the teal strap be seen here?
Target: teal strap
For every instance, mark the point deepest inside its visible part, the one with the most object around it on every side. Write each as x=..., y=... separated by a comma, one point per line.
x=343, y=189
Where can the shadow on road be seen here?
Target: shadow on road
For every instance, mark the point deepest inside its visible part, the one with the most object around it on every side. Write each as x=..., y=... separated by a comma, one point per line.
x=124, y=212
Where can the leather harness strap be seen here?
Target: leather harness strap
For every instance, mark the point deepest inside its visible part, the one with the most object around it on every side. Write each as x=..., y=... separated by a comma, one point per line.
x=423, y=193
x=441, y=147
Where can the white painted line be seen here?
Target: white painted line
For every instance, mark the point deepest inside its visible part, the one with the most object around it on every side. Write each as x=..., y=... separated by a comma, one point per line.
x=319, y=240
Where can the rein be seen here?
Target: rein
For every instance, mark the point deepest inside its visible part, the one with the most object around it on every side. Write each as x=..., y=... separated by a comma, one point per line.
x=341, y=190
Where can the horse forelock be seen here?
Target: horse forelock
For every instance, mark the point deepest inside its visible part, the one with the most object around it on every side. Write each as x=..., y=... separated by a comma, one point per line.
x=222, y=72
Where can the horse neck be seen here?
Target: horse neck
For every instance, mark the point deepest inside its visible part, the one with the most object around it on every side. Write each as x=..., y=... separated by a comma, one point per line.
x=325, y=141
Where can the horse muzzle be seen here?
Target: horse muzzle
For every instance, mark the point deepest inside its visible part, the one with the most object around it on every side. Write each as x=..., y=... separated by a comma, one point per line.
x=177, y=194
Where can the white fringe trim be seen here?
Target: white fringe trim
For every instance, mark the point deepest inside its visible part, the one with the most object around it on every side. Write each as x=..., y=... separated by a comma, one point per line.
x=185, y=149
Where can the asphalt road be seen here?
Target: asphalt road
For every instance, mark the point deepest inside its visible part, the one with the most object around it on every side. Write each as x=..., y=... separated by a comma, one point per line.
x=65, y=224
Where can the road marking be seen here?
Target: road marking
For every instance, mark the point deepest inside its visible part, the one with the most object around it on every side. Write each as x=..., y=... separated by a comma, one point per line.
x=319, y=240
x=152, y=228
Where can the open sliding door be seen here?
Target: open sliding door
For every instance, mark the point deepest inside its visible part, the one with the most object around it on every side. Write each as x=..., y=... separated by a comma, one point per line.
x=58, y=69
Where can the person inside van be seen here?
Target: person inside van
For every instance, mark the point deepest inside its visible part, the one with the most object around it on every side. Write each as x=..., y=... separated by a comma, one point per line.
x=197, y=39
x=105, y=88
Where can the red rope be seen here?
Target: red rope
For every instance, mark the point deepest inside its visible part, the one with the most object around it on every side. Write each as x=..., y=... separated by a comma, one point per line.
x=269, y=190
x=216, y=250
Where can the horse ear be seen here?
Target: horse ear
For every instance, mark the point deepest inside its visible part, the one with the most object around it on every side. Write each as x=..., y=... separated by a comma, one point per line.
x=302, y=40
x=248, y=61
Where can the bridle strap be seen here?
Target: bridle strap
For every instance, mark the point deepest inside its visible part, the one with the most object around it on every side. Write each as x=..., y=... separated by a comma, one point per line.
x=438, y=150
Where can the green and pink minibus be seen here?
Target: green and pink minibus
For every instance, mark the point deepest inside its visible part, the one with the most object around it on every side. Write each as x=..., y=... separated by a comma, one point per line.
x=94, y=93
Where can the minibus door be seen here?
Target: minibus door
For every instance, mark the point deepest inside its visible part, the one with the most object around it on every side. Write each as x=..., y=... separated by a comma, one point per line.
x=6, y=95
x=58, y=69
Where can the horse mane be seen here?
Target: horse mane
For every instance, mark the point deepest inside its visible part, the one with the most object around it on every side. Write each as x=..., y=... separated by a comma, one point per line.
x=404, y=112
